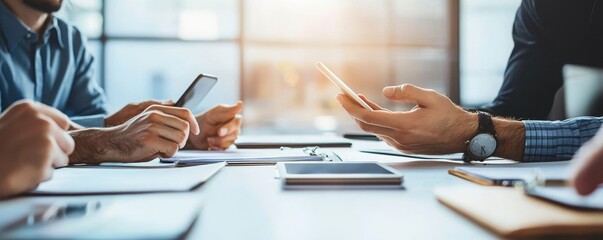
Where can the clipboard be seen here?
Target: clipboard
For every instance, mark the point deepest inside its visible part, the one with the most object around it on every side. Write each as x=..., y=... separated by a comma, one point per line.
x=252, y=156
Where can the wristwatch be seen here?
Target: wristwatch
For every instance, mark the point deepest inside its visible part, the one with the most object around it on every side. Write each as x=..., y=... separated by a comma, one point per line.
x=483, y=144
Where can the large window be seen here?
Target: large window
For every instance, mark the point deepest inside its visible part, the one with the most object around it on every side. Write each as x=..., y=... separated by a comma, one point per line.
x=263, y=51
x=486, y=44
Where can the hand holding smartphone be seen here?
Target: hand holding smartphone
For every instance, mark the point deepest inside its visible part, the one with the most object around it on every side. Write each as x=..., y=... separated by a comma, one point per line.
x=341, y=85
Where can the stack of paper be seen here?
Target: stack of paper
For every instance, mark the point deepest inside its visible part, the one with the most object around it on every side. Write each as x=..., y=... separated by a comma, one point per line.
x=103, y=180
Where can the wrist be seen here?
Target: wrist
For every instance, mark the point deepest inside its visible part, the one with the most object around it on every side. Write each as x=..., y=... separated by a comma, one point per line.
x=92, y=146
x=510, y=137
x=467, y=130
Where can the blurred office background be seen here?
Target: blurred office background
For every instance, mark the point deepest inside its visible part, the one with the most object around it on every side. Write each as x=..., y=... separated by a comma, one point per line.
x=263, y=52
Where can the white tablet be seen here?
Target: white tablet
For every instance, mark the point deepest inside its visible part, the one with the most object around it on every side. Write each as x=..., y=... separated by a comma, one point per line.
x=341, y=85
x=338, y=173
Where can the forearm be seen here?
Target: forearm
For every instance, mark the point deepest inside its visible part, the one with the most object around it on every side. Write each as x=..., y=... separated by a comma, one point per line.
x=98, y=145
x=510, y=138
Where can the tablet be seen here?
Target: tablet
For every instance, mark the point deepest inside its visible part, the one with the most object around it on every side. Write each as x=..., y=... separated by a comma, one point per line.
x=338, y=173
x=196, y=92
x=341, y=85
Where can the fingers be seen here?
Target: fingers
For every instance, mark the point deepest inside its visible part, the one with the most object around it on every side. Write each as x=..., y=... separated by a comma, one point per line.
x=376, y=117
x=59, y=157
x=56, y=116
x=223, y=113
x=221, y=143
x=411, y=93
x=178, y=136
x=64, y=141
x=181, y=113
x=588, y=176
x=230, y=127
x=162, y=147
x=370, y=103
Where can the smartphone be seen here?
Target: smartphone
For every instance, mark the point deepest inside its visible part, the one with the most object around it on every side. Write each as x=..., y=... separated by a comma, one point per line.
x=196, y=92
x=341, y=85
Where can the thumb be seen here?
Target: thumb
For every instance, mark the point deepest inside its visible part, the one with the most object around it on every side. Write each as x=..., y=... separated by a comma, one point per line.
x=588, y=175
x=410, y=93
x=223, y=113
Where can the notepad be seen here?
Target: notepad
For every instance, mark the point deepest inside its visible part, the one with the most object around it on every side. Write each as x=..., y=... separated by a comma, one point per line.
x=508, y=176
x=102, y=180
x=512, y=214
x=241, y=156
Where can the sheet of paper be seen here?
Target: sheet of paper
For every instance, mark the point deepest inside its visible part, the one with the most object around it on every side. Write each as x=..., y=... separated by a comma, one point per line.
x=453, y=156
x=102, y=180
x=241, y=156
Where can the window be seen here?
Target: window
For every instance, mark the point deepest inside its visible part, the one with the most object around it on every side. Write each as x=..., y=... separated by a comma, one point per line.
x=486, y=44
x=263, y=51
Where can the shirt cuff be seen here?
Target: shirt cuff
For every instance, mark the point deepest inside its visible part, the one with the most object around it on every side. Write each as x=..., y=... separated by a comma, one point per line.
x=90, y=121
x=550, y=141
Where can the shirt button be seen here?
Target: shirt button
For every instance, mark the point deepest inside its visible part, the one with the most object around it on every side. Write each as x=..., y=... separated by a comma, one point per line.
x=28, y=35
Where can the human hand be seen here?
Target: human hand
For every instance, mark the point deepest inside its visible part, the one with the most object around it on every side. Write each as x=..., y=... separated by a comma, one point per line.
x=130, y=111
x=34, y=143
x=220, y=127
x=588, y=166
x=434, y=126
x=159, y=131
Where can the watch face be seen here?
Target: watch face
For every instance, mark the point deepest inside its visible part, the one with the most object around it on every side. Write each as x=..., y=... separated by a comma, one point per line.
x=482, y=146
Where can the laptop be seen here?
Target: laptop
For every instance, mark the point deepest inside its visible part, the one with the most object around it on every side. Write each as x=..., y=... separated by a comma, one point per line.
x=583, y=91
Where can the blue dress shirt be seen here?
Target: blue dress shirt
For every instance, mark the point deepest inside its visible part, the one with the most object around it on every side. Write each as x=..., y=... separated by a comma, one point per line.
x=55, y=69
x=558, y=140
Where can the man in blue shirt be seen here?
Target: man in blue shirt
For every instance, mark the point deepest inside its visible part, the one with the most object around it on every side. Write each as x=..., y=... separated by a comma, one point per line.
x=44, y=59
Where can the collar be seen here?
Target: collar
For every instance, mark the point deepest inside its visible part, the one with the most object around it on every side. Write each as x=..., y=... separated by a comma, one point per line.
x=13, y=31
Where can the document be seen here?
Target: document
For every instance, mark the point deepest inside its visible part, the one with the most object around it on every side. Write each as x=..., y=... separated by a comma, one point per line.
x=241, y=156
x=102, y=180
x=453, y=156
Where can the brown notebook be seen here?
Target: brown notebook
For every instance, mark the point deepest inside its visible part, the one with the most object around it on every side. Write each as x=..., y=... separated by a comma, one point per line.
x=510, y=213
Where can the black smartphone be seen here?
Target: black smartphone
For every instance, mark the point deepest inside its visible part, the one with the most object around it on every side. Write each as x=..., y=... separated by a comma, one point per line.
x=196, y=92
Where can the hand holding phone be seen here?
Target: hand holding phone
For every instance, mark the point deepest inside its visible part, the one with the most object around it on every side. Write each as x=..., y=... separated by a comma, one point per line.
x=341, y=85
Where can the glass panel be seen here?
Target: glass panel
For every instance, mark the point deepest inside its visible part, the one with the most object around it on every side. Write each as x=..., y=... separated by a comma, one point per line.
x=486, y=44
x=285, y=93
x=421, y=22
x=85, y=15
x=139, y=71
x=317, y=21
x=184, y=19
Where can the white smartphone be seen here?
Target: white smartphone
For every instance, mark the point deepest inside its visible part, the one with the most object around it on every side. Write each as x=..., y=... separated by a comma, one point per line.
x=341, y=85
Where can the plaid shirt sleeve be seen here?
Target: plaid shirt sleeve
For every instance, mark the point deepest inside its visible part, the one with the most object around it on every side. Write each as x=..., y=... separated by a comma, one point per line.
x=558, y=140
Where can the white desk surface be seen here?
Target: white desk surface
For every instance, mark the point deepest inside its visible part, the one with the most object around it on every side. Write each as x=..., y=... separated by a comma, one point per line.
x=247, y=202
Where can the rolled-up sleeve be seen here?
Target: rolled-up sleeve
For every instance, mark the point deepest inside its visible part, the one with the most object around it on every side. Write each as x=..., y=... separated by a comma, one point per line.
x=558, y=140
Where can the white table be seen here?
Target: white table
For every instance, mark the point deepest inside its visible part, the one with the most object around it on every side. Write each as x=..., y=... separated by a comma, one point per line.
x=247, y=202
